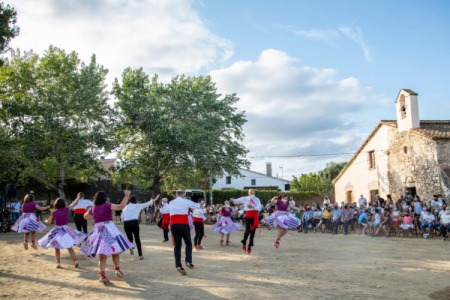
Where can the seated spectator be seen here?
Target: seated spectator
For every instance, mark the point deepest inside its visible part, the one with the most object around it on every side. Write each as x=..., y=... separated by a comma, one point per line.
x=428, y=222
x=438, y=217
x=317, y=217
x=347, y=218
x=326, y=219
x=445, y=222
x=407, y=223
x=396, y=217
x=363, y=220
x=384, y=226
x=376, y=221
x=308, y=217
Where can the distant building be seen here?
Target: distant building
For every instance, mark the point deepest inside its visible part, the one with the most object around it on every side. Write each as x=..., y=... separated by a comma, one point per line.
x=398, y=156
x=107, y=164
x=253, y=180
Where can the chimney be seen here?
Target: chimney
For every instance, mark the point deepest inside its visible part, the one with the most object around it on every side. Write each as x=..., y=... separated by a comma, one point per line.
x=269, y=169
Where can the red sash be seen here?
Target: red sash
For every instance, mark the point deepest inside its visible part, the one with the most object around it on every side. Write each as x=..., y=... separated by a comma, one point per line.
x=179, y=219
x=197, y=219
x=253, y=214
x=79, y=211
x=165, y=223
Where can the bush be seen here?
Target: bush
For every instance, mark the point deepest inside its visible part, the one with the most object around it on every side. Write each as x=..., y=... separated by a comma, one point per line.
x=220, y=196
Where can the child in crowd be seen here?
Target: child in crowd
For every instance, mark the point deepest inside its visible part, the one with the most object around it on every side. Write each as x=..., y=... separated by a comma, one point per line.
x=384, y=226
x=62, y=236
x=148, y=219
x=376, y=220
x=28, y=223
x=407, y=224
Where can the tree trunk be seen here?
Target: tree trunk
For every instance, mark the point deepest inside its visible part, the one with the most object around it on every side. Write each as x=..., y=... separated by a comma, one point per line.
x=156, y=186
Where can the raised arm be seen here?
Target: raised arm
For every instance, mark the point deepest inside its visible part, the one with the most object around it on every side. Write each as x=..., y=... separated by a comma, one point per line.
x=294, y=207
x=49, y=220
x=147, y=204
x=74, y=203
x=122, y=204
x=40, y=207
x=237, y=201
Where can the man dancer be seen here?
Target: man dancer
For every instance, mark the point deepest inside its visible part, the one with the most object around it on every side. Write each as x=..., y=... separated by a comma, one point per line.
x=165, y=219
x=179, y=226
x=252, y=206
x=79, y=211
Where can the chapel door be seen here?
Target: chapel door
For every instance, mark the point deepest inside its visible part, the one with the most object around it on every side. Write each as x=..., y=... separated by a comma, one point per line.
x=373, y=193
x=412, y=191
x=349, y=197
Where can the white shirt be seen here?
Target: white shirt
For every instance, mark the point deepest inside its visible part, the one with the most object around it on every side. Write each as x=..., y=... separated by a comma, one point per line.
x=83, y=204
x=16, y=207
x=326, y=202
x=132, y=210
x=445, y=218
x=199, y=213
x=164, y=209
x=180, y=206
x=292, y=202
x=246, y=200
x=377, y=219
x=362, y=201
x=428, y=218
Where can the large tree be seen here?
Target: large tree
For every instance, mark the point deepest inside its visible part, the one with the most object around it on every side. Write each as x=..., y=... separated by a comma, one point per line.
x=55, y=115
x=8, y=28
x=329, y=173
x=181, y=126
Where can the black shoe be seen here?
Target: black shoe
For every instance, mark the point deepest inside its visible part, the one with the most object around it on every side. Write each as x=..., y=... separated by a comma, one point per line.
x=306, y=231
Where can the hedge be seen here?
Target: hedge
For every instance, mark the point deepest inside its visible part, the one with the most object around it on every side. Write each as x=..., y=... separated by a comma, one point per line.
x=220, y=196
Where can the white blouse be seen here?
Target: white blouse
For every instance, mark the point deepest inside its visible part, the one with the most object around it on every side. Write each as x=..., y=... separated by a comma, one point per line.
x=132, y=210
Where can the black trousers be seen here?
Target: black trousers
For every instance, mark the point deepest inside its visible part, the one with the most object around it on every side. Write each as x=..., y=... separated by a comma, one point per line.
x=179, y=232
x=248, y=224
x=166, y=234
x=132, y=228
x=80, y=221
x=199, y=232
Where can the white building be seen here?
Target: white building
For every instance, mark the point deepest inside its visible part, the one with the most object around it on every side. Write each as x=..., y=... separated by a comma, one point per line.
x=252, y=180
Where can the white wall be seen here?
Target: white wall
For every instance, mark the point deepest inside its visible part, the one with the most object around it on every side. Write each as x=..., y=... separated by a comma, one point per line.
x=246, y=181
x=359, y=178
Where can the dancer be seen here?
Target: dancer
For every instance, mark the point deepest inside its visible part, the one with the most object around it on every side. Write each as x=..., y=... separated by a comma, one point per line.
x=79, y=211
x=199, y=217
x=179, y=226
x=165, y=219
x=106, y=239
x=225, y=226
x=62, y=236
x=282, y=218
x=130, y=216
x=28, y=223
x=252, y=206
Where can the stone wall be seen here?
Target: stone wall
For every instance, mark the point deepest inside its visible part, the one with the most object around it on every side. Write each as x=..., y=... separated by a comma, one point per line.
x=443, y=151
x=417, y=168
x=445, y=182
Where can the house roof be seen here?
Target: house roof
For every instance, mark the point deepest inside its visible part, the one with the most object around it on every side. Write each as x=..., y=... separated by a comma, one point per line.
x=408, y=91
x=434, y=129
x=265, y=175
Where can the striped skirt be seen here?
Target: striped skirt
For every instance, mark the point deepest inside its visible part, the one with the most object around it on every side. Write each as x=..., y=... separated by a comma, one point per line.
x=28, y=223
x=283, y=219
x=62, y=237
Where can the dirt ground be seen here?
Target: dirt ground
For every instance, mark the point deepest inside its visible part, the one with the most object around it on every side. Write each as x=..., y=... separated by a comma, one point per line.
x=312, y=266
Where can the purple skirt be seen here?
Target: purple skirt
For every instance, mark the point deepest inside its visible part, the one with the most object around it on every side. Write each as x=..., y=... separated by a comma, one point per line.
x=62, y=237
x=105, y=239
x=225, y=225
x=283, y=219
x=28, y=223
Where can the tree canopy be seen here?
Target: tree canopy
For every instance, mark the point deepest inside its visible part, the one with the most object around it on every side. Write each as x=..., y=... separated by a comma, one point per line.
x=55, y=116
x=320, y=182
x=8, y=29
x=181, y=126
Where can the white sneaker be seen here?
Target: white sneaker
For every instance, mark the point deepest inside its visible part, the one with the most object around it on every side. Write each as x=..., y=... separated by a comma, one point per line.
x=363, y=234
x=426, y=235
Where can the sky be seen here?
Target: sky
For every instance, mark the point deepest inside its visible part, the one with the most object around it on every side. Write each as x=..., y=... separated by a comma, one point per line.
x=314, y=77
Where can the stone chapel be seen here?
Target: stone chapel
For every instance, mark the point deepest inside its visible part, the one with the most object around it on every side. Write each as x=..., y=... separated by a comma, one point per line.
x=407, y=154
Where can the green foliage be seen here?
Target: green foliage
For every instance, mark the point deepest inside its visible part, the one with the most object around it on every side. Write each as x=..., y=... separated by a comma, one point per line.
x=55, y=113
x=220, y=196
x=181, y=126
x=8, y=29
x=329, y=173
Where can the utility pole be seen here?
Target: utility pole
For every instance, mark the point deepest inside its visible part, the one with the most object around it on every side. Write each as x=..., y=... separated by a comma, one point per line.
x=210, y=191
x=281, y=167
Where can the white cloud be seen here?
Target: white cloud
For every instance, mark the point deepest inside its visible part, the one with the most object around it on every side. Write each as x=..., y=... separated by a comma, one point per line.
x=167, y=37
x=293, y=109
x=324, y=35
x=357, y=35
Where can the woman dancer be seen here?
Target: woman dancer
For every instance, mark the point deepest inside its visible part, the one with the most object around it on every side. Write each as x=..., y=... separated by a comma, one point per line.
x=282, y=218
x=62, y=236
x=130, y=216
x=28, y=223
x=199, y=217
x=106, y=239
x=225, y=226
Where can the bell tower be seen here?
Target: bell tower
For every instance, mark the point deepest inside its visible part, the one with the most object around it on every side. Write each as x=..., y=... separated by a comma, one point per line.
x=407, y=106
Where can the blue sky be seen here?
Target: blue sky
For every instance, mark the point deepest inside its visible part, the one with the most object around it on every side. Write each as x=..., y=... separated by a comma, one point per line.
x=313, y=76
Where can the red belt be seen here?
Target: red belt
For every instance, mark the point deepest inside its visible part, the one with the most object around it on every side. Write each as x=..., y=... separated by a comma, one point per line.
x=165, y=221
x=179, y=219
x=253, y=214
x=197, y=219
x=80, y=211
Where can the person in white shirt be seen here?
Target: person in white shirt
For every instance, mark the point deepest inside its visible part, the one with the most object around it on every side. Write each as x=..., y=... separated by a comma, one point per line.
x=179, y=226
x=198, y=217
x=15, y=212
x=428, y=221
x=130, y=216
x=165, y=219
x=326, y=202
x=445, y=222
x=291, y=201
x=252, y=206
x=362, y=201
x=79, y=211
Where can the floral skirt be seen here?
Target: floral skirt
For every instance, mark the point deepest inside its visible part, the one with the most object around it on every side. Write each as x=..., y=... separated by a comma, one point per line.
x=62, y=237
x=283, y=219
x=105, y=239
x=28, y=223
x=225, y=225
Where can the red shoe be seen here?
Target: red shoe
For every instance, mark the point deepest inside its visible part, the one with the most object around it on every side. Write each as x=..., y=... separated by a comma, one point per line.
x=244, y=248
x=103, y=277
x=221, y=243
x=276, y=244
x=190, y=265
x=200, y=247
x=118, y=273
x=249, y=250
x=164, y=241
x=196, y=248
x=228, y=242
